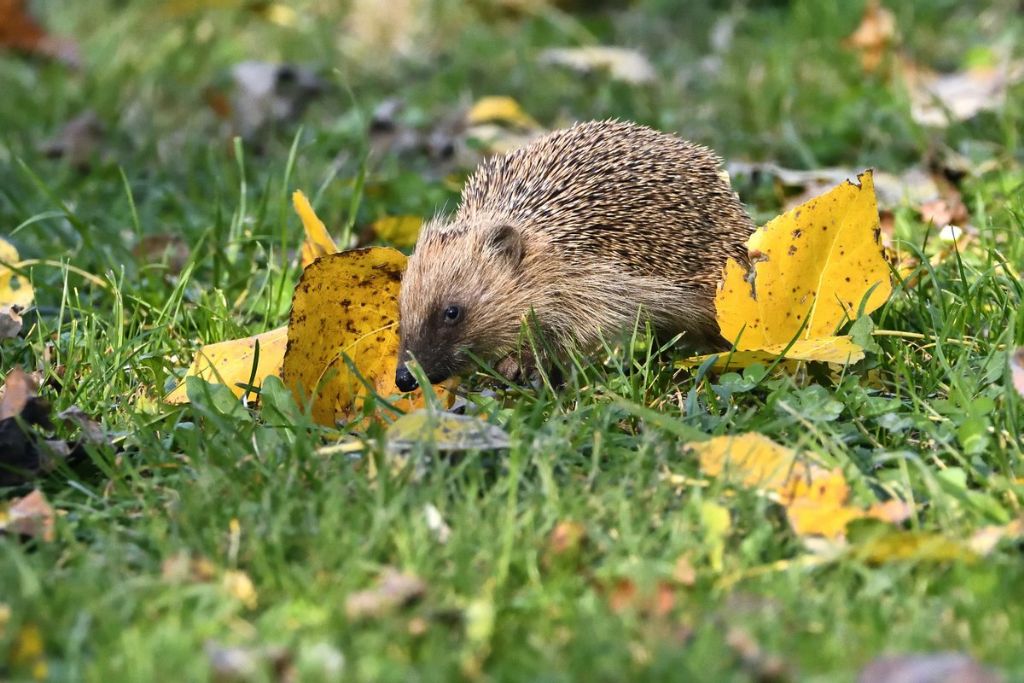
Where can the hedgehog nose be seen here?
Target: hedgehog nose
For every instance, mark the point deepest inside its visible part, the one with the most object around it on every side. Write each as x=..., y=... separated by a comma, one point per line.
x=404, y=379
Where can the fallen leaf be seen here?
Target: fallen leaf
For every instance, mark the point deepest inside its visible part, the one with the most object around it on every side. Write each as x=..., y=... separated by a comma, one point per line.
x=266, y=94
x=657, y=601
x=621, y=64
x=24, y=453
x=394, y=590
x=436, y=524
x=938, y=100
x=346, y=304
x=15, y=290
x=183, y=566
x=499, y=109
x=239, y=663
x=984, y=540
x=77, y=141
x=938, y=667
x=874, y=36
x=444, y=431
x=238, y=585
x=231, y=362
x=764, y=667
x=564, y=543
x=790, y=280
x=20, y=31
x=90, y=429
x=164, y=248
x=943, y=212
x=30, y=516
x=401, y=231
x=1017, y=369
x=10, y=321
x=810, y=270
x=683, y=572
x=815, y=497
x=839, y=349
x=318, y=241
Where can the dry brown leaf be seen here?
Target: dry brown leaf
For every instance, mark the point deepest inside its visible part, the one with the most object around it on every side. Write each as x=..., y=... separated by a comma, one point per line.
x=29, y=516
x=164, y=248
x=10, y=321
x=874, y=36
x=1017, y=369
x=394, y=590
x=19, y=389
x=564, y=543
x=938, y=667
x=943, y=212
x=20, y=31
x=77, y=141
x=763, y=666
x=683, y=572
x=940, y=99
x=657, y=601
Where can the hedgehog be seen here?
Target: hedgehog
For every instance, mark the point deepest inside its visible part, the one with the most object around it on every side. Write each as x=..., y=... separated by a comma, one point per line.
x=583, y=232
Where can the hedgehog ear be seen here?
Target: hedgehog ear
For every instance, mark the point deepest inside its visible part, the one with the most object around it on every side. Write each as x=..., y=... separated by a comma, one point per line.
x=505, y=242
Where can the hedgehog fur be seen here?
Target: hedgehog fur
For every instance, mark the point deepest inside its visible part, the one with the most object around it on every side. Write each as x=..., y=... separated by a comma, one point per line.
x=580, y=230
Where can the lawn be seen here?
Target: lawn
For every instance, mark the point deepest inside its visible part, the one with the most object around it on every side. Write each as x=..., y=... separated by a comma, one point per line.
x=210, y=541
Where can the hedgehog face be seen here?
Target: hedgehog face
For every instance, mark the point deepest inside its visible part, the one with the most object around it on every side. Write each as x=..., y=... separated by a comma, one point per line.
x=458, y=298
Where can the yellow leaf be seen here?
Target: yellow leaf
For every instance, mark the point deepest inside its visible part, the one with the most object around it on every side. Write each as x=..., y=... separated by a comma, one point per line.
x=230, y=362
x=401, y=231
x=14, y=289
x=318, y=241
x=840, y=349
x=811, y=266
x=912, y=546
x=346, y=304
x=239, y=586
x=815, y=497
x=499, y=109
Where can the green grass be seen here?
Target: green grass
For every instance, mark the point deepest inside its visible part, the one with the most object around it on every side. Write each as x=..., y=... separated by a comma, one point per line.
x=932, y=418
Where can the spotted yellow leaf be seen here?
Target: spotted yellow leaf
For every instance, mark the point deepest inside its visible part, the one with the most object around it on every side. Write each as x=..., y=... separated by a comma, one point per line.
x=345, y=305
x=400, y=231
x=15, y=290
x=230, y=363
x=812, y=268
x=815, y=497
x=318, y=241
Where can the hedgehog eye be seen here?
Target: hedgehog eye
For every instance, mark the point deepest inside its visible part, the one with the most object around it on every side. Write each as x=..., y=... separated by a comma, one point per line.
x=452, y=314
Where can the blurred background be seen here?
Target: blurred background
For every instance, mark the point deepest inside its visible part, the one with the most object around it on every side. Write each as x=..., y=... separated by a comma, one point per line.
x=384, y=107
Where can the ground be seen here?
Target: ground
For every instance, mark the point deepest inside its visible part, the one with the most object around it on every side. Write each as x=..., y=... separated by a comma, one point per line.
x=162, y=529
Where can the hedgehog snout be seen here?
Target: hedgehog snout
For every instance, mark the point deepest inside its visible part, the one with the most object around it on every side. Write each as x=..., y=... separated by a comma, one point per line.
x=404, y=379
